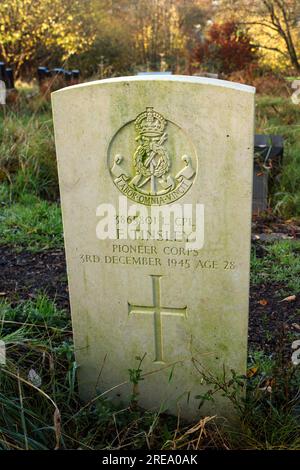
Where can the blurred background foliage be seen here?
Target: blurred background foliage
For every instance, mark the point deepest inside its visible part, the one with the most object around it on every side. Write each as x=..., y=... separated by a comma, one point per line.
x=115, y=37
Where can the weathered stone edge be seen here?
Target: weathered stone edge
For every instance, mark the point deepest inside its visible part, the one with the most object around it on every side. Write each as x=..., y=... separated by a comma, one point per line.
x=167, y=78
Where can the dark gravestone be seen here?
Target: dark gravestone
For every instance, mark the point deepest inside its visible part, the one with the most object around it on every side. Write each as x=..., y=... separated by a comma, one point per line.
x=68, y=77
x=75, y=74
x=57, y=71
x=10, y=82
x=56, y=78
x=75, y=77
x=2, y=72
x=276, y=152
x=43, y=73
x=268, y=153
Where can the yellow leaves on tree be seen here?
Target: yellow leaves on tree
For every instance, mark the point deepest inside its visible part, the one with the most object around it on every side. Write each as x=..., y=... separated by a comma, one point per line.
x=273, y=26
x=30, y=28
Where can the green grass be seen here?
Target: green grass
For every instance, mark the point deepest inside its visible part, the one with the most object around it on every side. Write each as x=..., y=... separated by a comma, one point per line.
x=40, y=407
x=271, y=417
x=27, y=152
x=280, y=264
x=31, y=223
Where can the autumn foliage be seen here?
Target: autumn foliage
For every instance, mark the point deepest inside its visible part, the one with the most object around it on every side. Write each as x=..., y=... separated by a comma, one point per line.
x=105, y=38
x=226, y=49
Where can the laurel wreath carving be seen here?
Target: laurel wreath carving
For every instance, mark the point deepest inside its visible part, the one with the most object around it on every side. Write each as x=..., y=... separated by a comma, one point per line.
x=141, y=156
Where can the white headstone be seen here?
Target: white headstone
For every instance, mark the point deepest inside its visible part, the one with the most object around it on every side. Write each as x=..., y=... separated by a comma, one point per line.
x=2, y=92
x=172, y=157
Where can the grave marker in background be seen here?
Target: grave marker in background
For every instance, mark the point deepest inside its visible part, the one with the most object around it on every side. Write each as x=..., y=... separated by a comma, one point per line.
x=156, y=179
x=2, y=92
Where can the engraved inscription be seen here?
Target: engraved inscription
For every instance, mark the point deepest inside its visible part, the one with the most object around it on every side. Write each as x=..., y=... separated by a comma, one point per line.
x=157, y=311
x=169, y=256
x=152, y=175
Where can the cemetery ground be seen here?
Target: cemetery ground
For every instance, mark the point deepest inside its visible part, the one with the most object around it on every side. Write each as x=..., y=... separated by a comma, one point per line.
x=39, y=403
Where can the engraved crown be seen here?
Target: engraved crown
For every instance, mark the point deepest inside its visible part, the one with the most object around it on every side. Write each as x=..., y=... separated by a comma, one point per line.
x=150, y=123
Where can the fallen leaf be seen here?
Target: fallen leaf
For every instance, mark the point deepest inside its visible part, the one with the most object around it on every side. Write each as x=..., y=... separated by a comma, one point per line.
x=57, y=427
x=2, y=293
x=267, y=385
x=267, y=389
x=295, y=325
x=290, y=298
x=252, y=371
x=263, y=302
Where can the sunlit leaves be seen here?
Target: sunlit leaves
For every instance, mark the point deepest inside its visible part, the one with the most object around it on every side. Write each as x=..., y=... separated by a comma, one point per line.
x=27, y=28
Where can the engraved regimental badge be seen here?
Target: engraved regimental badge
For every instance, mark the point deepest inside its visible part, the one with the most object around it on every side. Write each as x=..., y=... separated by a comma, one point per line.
x=160, y=163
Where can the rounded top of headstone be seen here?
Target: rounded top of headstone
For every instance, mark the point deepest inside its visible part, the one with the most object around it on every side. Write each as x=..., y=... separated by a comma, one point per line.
x=165, y=78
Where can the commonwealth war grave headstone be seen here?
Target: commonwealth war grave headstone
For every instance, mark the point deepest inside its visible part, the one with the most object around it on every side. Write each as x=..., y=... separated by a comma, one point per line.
x=156, y=180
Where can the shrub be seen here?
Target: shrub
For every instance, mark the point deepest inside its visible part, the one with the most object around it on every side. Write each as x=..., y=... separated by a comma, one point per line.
x=226, y=49
x=263, y=79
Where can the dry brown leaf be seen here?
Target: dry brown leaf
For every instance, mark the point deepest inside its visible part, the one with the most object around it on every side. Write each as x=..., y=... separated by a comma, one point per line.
x=290, y=298
x=296, y=326
x=268, y=385
x=2, y=293
x=57, y=427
